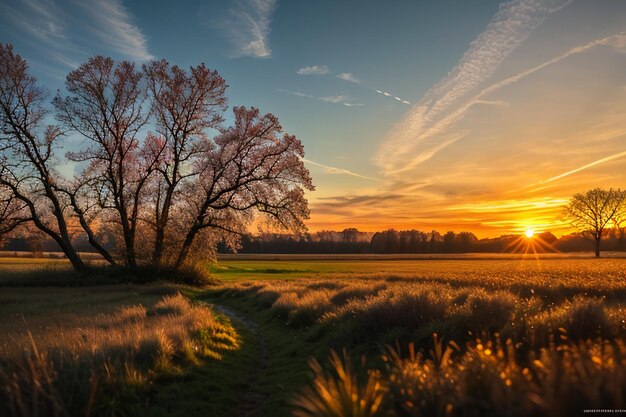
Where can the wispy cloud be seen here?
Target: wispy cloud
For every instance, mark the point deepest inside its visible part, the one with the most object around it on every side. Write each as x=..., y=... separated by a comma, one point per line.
x=247, y=26
x=434, y=137
x=115, y=28
x=313, y=70
x=348, y=76
x=66, y=36
x=334, y=170
x=339, y=99
x=334, y=99
x=418, y=136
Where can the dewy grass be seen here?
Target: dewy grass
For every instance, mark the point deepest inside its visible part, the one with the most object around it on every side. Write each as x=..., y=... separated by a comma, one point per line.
x=96, y=370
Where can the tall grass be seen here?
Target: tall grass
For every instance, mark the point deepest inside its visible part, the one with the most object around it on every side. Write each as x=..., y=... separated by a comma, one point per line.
x=108, y=366
x=358, y=311
x=485, y=379
x=519, y=352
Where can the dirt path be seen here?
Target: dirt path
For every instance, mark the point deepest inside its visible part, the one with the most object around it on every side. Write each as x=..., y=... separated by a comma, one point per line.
x=251, y=397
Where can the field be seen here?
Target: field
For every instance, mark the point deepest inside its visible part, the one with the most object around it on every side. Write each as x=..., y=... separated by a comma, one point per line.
x=346, y=336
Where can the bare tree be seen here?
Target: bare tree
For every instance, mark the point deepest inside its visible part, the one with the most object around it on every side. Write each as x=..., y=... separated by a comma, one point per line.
x=592, y=212
x=27, y=155
x=185, y=106
x=105, y=105
x=254, y=167
x=13, y=213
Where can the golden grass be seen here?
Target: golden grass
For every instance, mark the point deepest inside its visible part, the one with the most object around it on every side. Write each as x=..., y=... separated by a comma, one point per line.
x=552, y=351
x=372, y=308
x=95, y=368
x=484, y=379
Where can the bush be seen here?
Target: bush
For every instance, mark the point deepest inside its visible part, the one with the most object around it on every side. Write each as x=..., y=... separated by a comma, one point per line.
x=483, y=379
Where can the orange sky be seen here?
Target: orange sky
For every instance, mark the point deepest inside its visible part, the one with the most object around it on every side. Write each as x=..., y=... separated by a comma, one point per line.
x=500, y=143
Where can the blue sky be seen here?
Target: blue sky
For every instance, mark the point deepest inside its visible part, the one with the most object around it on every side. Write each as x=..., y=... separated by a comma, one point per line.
x=414, y=114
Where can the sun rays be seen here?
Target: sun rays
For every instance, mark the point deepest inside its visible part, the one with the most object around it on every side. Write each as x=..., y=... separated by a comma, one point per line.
x=530, y=243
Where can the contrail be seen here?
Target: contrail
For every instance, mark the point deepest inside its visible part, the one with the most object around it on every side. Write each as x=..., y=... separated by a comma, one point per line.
x=617, y=40
x=335, y=170
x=417, y=137
x=589, y=165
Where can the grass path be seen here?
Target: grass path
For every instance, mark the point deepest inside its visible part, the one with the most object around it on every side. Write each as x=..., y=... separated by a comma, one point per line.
x=258, y=380
x=251, y=398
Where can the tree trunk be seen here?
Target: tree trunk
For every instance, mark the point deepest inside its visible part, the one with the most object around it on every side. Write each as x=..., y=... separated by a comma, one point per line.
x=598, y=248
x=162, y=220
x=184, y=250
x=158, y=246
x=70, y=252
x=75, y=260
x=129, y=240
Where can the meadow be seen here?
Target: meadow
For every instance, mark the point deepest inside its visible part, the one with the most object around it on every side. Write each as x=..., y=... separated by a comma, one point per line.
x=464, y=336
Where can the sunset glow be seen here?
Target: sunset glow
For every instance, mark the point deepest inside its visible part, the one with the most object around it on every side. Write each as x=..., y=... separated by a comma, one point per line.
x=485, y=123
x=530, y=232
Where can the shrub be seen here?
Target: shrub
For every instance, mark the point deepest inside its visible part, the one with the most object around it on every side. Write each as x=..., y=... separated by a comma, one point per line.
x=408, y=309
x=482, y=379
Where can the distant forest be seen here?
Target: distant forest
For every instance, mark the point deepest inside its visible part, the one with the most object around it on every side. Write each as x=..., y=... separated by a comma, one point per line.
x=386, y=242
x=414, y=241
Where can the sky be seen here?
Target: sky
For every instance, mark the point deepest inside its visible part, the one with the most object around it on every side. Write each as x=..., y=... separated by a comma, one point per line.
x=483, y=116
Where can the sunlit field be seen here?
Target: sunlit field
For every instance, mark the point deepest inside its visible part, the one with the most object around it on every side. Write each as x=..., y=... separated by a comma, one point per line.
x=472, y=335
x=450, y=337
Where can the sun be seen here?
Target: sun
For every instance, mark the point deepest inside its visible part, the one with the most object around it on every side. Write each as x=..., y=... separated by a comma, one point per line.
x=530, y=232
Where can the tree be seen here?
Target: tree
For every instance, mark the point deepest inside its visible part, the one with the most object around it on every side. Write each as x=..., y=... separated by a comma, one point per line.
x=592, y=212
x=27, y=157
x=253, y=167
x=164, y=195
x=185, y=105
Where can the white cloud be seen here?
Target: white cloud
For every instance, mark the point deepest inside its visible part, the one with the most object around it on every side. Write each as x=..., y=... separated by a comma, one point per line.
x=66, y=36
x=498, y=103
x=348, y=76
x=387, y=94
x=313, y=70
x=418, y=135
x=334, y=99
x=246, y=25
x=338, y=99
x=114, y=27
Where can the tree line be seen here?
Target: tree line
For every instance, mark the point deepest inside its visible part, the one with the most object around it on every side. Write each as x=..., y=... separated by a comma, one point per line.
x=417, y=242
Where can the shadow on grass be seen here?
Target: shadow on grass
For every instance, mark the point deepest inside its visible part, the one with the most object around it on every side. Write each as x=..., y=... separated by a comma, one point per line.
x=63, y=276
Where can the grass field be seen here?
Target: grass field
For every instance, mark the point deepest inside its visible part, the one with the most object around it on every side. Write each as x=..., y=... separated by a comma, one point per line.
x=484, y=335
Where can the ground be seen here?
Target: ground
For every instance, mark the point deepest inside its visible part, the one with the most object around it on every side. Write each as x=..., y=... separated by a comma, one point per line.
x=279, y=329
